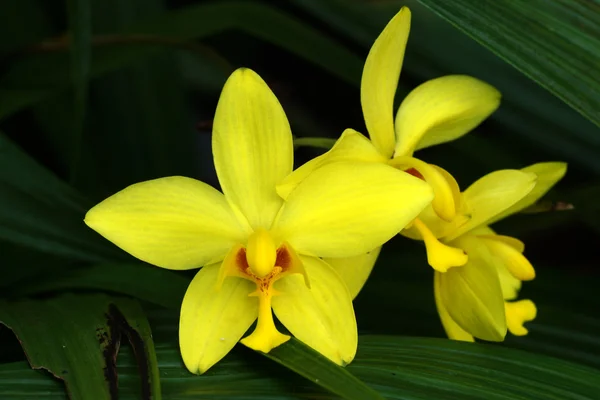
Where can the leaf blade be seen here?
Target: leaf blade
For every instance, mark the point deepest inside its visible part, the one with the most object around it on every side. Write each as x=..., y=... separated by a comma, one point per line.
x=416, y=368
x=544, y=40
x=306, y=362
x=76, y=338
x=80, y=26
x=39, y=210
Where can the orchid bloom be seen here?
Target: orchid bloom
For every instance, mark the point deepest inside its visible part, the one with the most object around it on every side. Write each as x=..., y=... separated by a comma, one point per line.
x=476, y=271
x=437, y=111
x=258, y=252
x=476, y=300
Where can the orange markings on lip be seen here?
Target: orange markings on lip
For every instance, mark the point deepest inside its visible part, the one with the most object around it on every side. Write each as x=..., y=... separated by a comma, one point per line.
x=282, y=264
x=415, y=173
x=241, y=261
x=283, y=259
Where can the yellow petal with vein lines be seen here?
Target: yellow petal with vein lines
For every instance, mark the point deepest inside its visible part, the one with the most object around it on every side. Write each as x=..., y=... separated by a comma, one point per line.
x=345, y=209
x=453, y=184
x=322, y=316
x=519, y=312
x=442, y=110
x=509, y=284
x=355, y=270
x=174, y=222
x=492, y=194
x=252, y=146
x=212, y=321
x=516, y=263
x=548, y=174
x=380, y=80
x=443, y=202
x=452, y=329
x=472, y=294
x=508, y=240
x=351, y=146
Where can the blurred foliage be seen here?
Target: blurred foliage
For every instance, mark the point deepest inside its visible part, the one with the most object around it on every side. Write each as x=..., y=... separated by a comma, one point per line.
x=99, y=94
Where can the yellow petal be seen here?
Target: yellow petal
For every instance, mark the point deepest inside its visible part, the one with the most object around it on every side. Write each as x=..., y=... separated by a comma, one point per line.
x=252, y=146
x=548, y=174
x=355, y=270
x=345, y=209
x=322, y=316
x=517, y=313
x=174, y=223
x=441, y=110
x=452, y=183
x=441, y=257
x=514, y=261
x=438, y=227
x=380, y=80
x=443, y=202
x=472, y=294
x=509, y=284
x=351, y=146
x=508, y=240
x=213, y=321
x=492, y=194
x=453, y=330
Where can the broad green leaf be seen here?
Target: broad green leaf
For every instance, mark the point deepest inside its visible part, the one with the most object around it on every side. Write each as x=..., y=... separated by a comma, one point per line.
x=40, y=211
x=25, y=83
x=405, y=367
x=306, y=362
x=263, y=22
x=144, y=282
x=555, y=43
x=156, y=136
x=77, y=338
x=399, y=368
x=80, y=27
x=564, y=333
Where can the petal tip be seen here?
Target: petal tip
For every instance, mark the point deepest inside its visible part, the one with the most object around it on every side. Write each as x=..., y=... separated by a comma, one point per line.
x=244, y=76
x=404, y=12
x=92, y=218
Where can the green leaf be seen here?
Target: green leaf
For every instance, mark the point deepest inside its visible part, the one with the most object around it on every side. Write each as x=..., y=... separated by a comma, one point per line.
x=555, y=43
x=266, y=23
x=77, y=338
x=422, y=368
x=399, y=368
x=308, y=363
x=158, y=286
x=26, y=82
x=80, y=26
x=40, y=211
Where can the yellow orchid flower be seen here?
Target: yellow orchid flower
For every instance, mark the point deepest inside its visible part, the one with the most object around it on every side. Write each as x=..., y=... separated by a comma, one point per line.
x=258, y=252
x=477, y=300
x=438, y=111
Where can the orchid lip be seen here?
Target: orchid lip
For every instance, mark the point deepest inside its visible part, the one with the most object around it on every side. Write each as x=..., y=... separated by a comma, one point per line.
x=262, y=263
